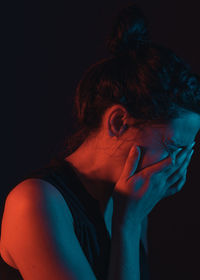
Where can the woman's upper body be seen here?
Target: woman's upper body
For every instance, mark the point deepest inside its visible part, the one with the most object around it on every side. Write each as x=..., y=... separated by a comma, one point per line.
x=66, y=230
x=39, y=220
x=143, y=95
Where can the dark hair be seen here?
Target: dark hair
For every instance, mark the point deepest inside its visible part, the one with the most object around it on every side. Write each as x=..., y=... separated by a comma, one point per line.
x=149, y=80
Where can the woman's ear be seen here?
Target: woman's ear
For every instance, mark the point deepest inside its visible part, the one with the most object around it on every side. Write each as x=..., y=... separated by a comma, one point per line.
x=117, y=123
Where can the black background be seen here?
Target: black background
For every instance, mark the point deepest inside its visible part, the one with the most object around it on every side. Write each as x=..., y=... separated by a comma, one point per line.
x=48, y=46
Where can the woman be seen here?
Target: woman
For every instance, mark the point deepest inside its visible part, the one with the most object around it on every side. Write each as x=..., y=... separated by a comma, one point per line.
x=84, y=216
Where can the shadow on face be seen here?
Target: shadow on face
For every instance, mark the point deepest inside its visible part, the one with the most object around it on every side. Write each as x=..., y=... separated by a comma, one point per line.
x=157, y=142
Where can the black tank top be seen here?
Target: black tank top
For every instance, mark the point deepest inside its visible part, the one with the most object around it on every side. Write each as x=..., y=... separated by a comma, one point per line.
x=88, y=221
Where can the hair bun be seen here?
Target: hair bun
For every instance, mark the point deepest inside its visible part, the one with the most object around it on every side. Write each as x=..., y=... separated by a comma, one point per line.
x=129, y=31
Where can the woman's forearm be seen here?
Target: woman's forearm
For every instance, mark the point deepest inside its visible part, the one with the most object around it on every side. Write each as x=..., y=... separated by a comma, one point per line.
x=125, y=253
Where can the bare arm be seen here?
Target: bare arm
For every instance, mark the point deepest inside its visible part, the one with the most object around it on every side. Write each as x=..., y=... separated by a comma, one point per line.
x=124, y=254
x=37, y=229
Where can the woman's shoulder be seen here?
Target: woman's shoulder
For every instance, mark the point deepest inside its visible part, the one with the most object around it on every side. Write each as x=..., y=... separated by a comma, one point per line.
x=32, y=191
x=39, y=218
x=32, y=187
x=32, y=196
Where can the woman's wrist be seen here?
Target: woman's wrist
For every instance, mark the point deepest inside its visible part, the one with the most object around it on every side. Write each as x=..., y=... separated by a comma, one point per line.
x=123, y=214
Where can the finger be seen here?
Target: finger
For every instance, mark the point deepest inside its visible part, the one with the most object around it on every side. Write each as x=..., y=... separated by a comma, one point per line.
x=131, y=162
x=176, y=155
x=180, y=171
x=177, y=186
x=159, y=166
x=183, y=155
x=170, y=163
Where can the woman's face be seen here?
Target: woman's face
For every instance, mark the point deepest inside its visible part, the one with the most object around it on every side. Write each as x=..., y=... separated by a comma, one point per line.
x=156, y=142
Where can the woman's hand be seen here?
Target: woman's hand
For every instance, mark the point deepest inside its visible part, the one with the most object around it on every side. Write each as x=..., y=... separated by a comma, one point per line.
x=136, y=194
x=177, y=186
